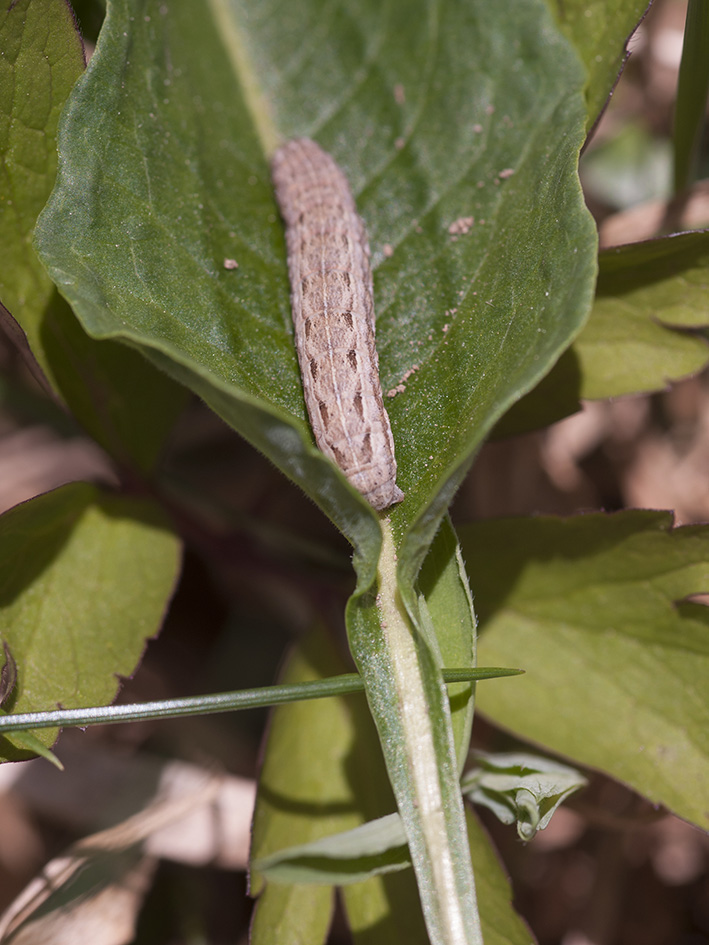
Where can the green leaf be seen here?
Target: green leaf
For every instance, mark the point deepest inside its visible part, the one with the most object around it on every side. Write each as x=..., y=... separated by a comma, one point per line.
x=379, y=846
x=634, y=341
x=666, y=279
x=126, y=405
x=307, y=790
x=595, y=608
x=121, y=400
x=85, y=580
x=446, y=609
x=234, y=701
x=599, y=30
x=521, y=788
x=437, y=114
x=383, y=910
x=288, y=915
x=380, y=911
x=42, y=58
x=645, y=290
x=501, y=924
x=177, y=181
x=27, y=742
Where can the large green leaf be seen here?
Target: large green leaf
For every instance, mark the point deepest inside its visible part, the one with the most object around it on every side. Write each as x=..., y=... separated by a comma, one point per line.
x=642, y=334
x=177, y=180
x=645, y=290
x=84, y=580
x=122, y=401
x=616, y=658
x=666, y=279
x=437, y=114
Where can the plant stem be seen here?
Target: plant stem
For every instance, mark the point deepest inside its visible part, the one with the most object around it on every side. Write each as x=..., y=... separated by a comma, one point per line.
x=692, y=90
x=221, y=702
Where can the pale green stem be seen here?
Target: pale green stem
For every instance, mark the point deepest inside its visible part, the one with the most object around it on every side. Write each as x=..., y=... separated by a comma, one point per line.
x=419, y=740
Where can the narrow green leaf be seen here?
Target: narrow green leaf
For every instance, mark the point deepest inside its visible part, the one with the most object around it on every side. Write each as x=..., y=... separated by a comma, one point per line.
x=501, y=924
x=446, y=606
x=616, y=657
x=692, y=89
x=84, y=580
x=235, y=701
x=379, y=846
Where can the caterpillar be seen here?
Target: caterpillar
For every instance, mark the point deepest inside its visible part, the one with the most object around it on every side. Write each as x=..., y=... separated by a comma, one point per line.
x=333, y=316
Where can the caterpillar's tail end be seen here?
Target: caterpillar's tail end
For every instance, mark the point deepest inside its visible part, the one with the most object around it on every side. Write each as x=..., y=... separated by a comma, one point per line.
x=384, y=496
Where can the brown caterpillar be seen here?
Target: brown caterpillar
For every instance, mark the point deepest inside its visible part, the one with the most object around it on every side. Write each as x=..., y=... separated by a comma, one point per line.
x=333, y=315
